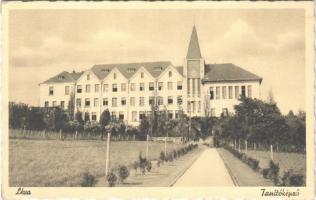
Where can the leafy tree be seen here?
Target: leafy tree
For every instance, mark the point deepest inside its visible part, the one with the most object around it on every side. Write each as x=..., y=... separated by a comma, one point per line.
x=143, y=128
x=78, y=117
x=71, y=106
x=105, y=117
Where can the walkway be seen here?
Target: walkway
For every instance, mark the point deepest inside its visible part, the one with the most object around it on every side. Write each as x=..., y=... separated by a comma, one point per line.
x=208, y=170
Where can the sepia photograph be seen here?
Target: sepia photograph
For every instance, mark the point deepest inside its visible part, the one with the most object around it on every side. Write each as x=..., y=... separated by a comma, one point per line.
x=198, y=97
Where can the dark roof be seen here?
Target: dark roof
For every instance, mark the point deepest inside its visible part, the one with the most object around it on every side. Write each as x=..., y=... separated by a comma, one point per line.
x=129, y=69
x=179, y=69
x=194, y=47
x=227, y=72
x=64, y=77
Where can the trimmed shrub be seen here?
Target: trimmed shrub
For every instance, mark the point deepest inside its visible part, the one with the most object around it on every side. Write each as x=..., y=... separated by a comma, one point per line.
x=253, y=163
x=142, y=163
x=123, y=173
x=111, y=179
x=148, y=166
x=88, y=180
x=162, y=156
x=291, y=179
x=265, y=172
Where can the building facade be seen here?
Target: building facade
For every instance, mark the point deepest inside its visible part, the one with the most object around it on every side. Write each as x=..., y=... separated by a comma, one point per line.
x=130, y=91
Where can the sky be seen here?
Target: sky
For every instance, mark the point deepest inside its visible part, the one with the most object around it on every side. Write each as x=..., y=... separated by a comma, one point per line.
x=267, y=42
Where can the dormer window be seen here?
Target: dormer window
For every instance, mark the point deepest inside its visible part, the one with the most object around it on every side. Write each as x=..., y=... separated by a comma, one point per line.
x=88, y=76
x=61, y=77
x=131, y=70
x=105, y=70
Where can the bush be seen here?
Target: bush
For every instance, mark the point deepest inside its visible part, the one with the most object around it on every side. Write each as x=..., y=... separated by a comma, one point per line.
x=142, y=163
x=253, y=163
x=291, y=179
x=111, y=178
x=162, y=157
x=123, y=173
x=88, y=180
x=148, y=166
x=265, y=173
x=274, y=171
x=135, y=166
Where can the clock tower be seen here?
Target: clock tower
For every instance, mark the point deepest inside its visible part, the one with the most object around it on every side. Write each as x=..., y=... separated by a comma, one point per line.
x=194, y=72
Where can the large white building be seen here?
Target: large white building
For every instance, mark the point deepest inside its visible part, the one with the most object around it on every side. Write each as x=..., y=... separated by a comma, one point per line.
x=129, y=90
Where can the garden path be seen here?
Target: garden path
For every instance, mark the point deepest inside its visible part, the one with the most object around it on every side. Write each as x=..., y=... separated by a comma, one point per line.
x=208, y=170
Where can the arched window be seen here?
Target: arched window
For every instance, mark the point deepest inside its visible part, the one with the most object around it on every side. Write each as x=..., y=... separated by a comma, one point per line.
x=170, y=74
x=114, y=75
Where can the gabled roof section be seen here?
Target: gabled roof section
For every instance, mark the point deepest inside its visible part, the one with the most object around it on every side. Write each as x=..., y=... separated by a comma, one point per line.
x=179, y=69
x=129, y=69
x=194, y=47
x=227, y=72
x=64, y=77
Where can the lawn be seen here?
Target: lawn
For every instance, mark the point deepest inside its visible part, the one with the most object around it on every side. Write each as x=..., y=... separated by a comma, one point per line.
x=286, y=161
x=61, y=163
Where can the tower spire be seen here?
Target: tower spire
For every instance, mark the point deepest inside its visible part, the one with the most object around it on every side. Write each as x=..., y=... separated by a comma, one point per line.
x=194, y=47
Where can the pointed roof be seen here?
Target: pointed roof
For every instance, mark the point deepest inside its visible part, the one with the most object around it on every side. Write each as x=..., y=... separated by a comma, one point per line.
x=227, y=72
x=194, y=47
x=64, y=77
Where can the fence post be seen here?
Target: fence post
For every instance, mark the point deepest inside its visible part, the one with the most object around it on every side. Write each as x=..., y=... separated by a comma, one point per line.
x=271, y=152
x=76, y=136
x=107, y=161
x=238, y=145
x=246, y=146
x=235, y=144
x=147, y=139
x=60, y=134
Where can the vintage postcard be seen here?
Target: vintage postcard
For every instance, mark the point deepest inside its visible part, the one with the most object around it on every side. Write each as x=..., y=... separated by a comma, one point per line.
x=158, y=100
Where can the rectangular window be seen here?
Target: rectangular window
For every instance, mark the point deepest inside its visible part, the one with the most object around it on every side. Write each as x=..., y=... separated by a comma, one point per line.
x=217, y=92
x=114, y=102
x=249, y=91
x=79, y=88
x=134, y=116
x=151, y=86
x=123, y=101
x=160, y=86
x=170, y=100
x=51, y=90
x=67, y=91
x=160, y=100
x=54, y=103
x=96, y=87
x=105, y=101
x=62, y=104
x=211, y=93
x=230, y=92
x=236, y=92
x=88, y=88
x=141, y=86
x=169, y=85
x=132, y=86
x=141, y=101
x=179, y=85
x=199, y=106
x=121, y=116
x=189, y=87
x=94, y=116
x=105, y=87
x=170, y=115
x=96, y=102
x=243, y=91
x=113, y=115
x=179, y=100
x=132, y=101
x=46, y=104
x=88, y=76
x=193, y=87
x=141, y=115
x=198, y=87
x=189, y=106
x=193, y=106
x=78, y=102
x=123, y=87
x=177, y=114
x=224, y=92
x=114, y=87
x=151, y=100
x=87, y=102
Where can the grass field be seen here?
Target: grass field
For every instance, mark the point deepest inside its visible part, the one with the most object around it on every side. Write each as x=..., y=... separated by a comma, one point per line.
x=286, y=161
x=61, y=163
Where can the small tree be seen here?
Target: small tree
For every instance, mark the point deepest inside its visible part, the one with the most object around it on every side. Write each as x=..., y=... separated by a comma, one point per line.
x=105, y=118
x=71, y=106
x=78, y=117
x=143, y=128
x=123, y=173
x=86, y=117
x=111, y=178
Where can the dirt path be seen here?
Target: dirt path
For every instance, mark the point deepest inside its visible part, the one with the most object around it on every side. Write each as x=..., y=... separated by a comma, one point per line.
x=208, y=170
